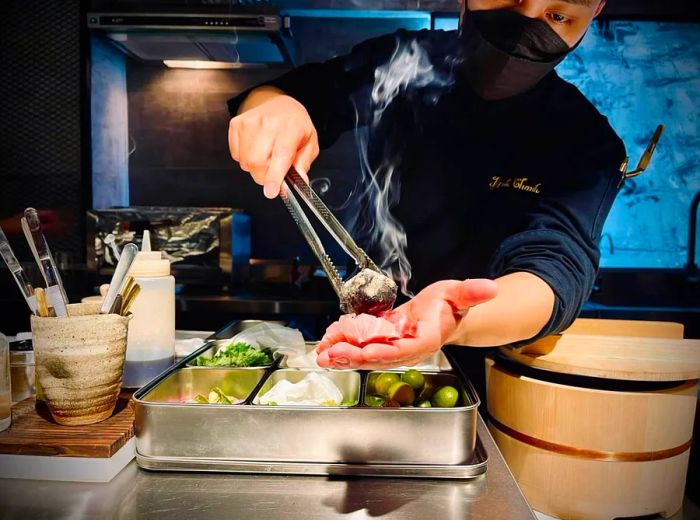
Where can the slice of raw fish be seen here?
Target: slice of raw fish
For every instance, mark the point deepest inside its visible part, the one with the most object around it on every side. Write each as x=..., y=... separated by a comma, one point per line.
x=405, y=327
x=335, y=333
x=363, y=329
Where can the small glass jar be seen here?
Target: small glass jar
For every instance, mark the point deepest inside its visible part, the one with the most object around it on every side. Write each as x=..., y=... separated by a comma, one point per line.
x=22, y=370
x=5, y=392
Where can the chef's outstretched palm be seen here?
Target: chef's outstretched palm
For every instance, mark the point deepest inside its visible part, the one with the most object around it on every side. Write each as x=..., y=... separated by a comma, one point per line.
x=438, y=310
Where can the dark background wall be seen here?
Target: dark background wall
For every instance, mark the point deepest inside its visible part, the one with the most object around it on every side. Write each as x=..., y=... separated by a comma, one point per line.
x=42, y=148
x=40, y=103
x=178, y=124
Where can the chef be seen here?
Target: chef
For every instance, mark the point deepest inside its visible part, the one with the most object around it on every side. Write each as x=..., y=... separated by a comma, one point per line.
x=507, y=174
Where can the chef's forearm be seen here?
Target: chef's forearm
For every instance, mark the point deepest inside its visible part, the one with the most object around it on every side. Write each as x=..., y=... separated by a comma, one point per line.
x=521, y=309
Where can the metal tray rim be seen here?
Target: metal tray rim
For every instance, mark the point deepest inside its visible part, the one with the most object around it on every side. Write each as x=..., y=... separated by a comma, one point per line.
x=433, y=471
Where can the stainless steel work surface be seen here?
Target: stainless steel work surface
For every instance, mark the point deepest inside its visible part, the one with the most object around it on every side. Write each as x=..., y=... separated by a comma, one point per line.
x=140, y=494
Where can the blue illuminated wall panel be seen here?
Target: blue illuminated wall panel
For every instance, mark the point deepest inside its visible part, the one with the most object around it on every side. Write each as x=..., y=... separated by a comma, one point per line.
x=641, y=74
x=109, y=125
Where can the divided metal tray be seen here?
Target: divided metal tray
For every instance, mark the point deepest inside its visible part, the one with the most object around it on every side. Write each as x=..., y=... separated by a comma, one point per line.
x=348, y=439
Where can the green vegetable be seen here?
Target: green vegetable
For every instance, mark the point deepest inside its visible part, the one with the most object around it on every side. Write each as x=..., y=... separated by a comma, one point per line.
x=237, y=355
x=216, y=396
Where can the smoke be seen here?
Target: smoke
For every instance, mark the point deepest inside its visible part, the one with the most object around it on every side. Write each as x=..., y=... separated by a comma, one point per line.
x=408, y=70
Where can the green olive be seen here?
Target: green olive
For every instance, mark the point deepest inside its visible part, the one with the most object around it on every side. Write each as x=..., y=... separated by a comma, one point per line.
x=384, y=381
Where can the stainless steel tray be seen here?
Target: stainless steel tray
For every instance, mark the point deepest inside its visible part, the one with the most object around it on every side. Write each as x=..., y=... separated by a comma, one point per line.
x=472, y=469
x=299, y=439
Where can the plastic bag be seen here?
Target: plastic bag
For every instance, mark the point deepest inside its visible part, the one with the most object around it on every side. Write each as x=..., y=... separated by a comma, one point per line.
x=315, y=389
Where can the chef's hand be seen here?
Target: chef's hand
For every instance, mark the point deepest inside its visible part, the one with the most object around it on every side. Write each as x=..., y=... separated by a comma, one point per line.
x=271, y=133
x=437, y=309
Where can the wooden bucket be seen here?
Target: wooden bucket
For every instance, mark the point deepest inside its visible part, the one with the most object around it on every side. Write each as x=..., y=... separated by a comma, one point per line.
x=585, y=447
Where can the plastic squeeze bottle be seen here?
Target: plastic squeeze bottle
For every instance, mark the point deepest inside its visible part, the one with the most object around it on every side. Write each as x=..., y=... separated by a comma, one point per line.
x=151, y=340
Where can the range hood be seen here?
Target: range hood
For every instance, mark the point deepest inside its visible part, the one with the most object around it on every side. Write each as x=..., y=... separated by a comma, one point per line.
x=244, y=37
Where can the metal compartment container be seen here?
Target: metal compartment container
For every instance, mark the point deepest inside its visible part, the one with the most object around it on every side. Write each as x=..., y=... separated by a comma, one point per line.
x=284, y=435
x=435, y=380
x=347, y=381
x=214, y=345
x=183, y=385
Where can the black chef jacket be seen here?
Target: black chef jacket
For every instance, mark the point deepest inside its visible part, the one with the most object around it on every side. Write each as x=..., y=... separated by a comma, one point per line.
x=487, y=187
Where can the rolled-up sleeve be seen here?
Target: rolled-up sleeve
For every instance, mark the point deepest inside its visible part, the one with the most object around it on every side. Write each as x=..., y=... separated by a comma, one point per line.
x=558, y=242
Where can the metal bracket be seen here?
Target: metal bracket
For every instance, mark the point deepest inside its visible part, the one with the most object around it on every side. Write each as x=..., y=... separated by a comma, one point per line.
x=644, y=161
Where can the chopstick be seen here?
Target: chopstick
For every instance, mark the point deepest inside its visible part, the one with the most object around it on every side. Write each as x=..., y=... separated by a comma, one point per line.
x=42, y=307
x=128, y=284
x=120, y=273
x=129, y=299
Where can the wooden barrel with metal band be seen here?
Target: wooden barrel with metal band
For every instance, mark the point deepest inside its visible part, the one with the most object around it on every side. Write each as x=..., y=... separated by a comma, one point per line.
x=591, y=447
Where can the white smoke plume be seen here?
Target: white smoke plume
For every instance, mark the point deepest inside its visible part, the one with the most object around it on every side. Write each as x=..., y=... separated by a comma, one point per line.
x=409, y=68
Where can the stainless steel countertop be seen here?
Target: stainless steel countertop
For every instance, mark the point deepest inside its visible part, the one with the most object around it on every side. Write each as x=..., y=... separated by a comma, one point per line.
x=136, y=493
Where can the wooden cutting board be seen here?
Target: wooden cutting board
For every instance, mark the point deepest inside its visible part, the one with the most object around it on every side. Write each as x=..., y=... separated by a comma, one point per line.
x=33, y=432
x=616, y=349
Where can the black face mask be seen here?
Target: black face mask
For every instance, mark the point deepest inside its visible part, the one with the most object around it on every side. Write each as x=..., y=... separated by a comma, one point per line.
x=506, y=53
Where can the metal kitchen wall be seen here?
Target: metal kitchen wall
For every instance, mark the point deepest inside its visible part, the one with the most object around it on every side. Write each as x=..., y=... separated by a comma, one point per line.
x=639, y=73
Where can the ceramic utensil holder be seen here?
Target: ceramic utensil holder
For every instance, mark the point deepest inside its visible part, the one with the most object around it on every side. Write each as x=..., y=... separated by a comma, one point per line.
x=79, y=362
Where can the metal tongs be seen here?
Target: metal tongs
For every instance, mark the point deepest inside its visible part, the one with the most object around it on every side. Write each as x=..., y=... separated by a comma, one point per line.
x=295, y=183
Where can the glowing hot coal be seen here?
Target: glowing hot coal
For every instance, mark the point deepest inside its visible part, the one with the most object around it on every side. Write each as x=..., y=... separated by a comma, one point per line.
x=368, y=292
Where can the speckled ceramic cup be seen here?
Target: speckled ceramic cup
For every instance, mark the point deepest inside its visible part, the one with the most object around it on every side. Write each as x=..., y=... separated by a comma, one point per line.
x=79, y=362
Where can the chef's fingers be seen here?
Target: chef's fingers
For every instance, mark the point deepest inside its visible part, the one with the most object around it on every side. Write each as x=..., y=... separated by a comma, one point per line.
x=257, y=154
x=283, y=153
x=306, y=156
x=247, y=135
x=233, y=144
x=328, y=341
x=333, y=335
x=345, y=355
x=380, y=353
x=323, y=360
x=324, y=344
x=463, y=295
